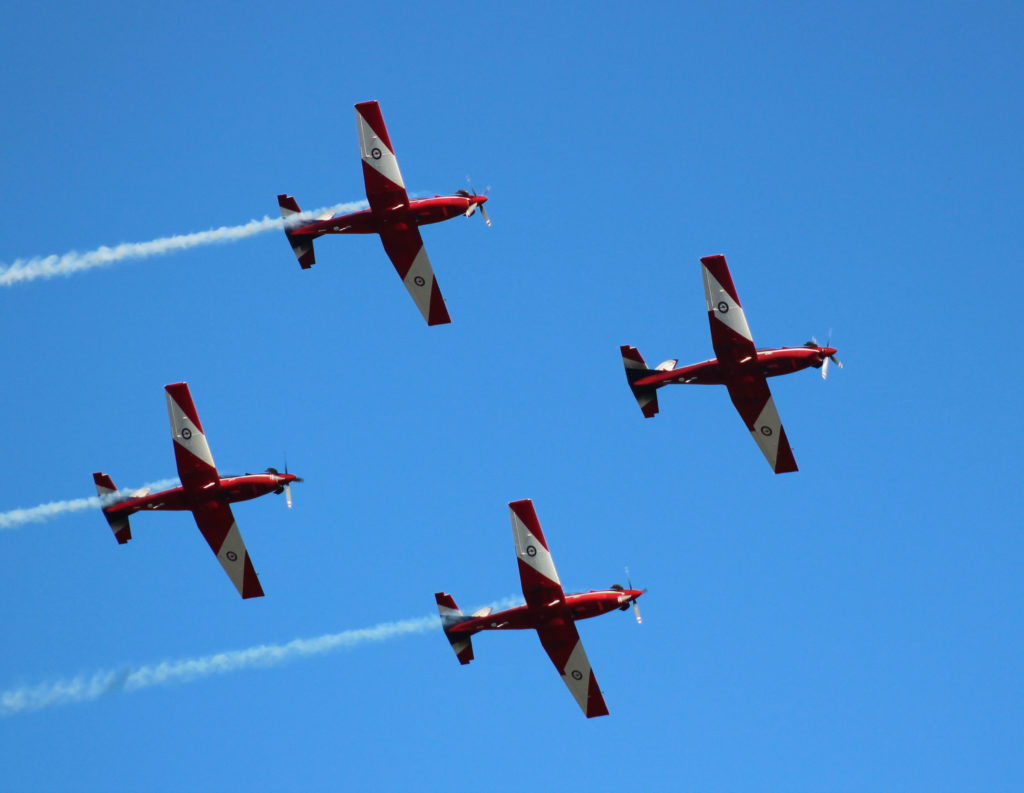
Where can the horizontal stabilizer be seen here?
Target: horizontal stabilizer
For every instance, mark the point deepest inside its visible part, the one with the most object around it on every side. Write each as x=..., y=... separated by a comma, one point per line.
x=636, y=368
x=302, y=244
x=118, y=521
x=451, y=616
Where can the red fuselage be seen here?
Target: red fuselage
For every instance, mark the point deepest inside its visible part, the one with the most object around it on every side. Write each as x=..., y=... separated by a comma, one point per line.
x=769, y=363
x=418, y=212
x=579, y=606
x=228, y=490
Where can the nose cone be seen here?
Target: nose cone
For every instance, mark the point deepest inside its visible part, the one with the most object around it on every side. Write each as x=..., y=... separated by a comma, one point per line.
x=479, y=199
x=828, y=350
x=287, y=479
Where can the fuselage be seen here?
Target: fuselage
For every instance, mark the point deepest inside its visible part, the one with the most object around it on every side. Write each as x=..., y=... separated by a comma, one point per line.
x=228, y=490
x=418, y=212
x=768, y=363
x=579, y=606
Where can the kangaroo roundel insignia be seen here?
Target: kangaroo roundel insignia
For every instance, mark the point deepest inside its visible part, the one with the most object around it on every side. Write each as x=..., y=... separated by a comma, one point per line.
x=375, y=153
x=577, y=674
x=418, y=280
x=766, y=431
x=531, y=550
x=723, y=307
x=232, y=556
x=186, y=433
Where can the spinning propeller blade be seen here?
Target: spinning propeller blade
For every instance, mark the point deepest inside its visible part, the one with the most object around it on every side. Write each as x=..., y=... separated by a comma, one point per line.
x=287, y=487
x=813, y=344
x=824, y=366
x=636, y=608
x=476, y=204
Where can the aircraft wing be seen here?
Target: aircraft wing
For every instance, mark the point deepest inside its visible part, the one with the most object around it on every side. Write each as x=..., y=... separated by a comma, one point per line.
x=217, y=524
x=404, y=247
x=730, y=335
x=562, y=644
x=384, y=186
x=196, y=468
x=754, y=402
x=537, y=573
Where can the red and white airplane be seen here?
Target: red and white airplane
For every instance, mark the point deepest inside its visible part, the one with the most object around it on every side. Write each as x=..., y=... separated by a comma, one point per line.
x=203, y=492
x=392, y=214
x=548, y=610
x=739, y=366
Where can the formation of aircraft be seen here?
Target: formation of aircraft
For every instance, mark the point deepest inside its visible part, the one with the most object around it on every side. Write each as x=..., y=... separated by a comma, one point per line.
x=738, y=365
x=392, y=215
x=203, y=492
x=548, y=610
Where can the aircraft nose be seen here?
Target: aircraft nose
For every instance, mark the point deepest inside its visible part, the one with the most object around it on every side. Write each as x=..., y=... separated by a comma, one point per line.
x=480, y=199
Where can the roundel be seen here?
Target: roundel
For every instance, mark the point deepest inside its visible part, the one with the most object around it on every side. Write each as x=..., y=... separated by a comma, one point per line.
x=186, y=433
x=531, y=550
x=418, y=280
x=232, y=556
x=766, y=431
x=723, y=307
x=375, y=153
x=577, y=674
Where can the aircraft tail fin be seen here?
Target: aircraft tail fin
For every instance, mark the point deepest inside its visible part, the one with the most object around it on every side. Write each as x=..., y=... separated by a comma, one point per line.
x=636, y=368
x=451, y=616
x=302, y=244
x=118, y=521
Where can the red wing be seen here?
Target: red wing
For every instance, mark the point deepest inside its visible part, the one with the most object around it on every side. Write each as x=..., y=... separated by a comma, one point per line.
x=385, y=188
x=541, y=586
x=756, y=407
x=730, y=335
x=565, y=649
x=196, y=468
x=404, y=247
x=217, y=524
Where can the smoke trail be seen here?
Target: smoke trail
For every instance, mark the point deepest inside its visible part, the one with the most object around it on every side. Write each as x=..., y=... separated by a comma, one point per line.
x=23, y=270
x=85, y=688
x=16, y=518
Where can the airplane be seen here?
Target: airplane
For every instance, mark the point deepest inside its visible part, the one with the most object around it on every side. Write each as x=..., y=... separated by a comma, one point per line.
x=548, y=610
x=392, y=215
x=738, y=366
x=203, y=491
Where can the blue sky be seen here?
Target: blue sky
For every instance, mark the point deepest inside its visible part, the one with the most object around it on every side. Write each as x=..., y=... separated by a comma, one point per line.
x=853, y=626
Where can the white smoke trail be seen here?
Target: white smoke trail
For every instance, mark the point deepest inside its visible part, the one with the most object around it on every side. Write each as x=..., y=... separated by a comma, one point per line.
x=23, y=270
x=85, y=688
x=15, y=518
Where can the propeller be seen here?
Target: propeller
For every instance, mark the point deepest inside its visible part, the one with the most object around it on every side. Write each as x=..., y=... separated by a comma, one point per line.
x=287, y=487
x=813, y=343
x=625, y=606
x=476, y=205
x=636, y=608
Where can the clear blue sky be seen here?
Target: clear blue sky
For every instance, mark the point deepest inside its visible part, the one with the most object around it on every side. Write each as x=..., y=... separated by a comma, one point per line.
x=851, y=627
